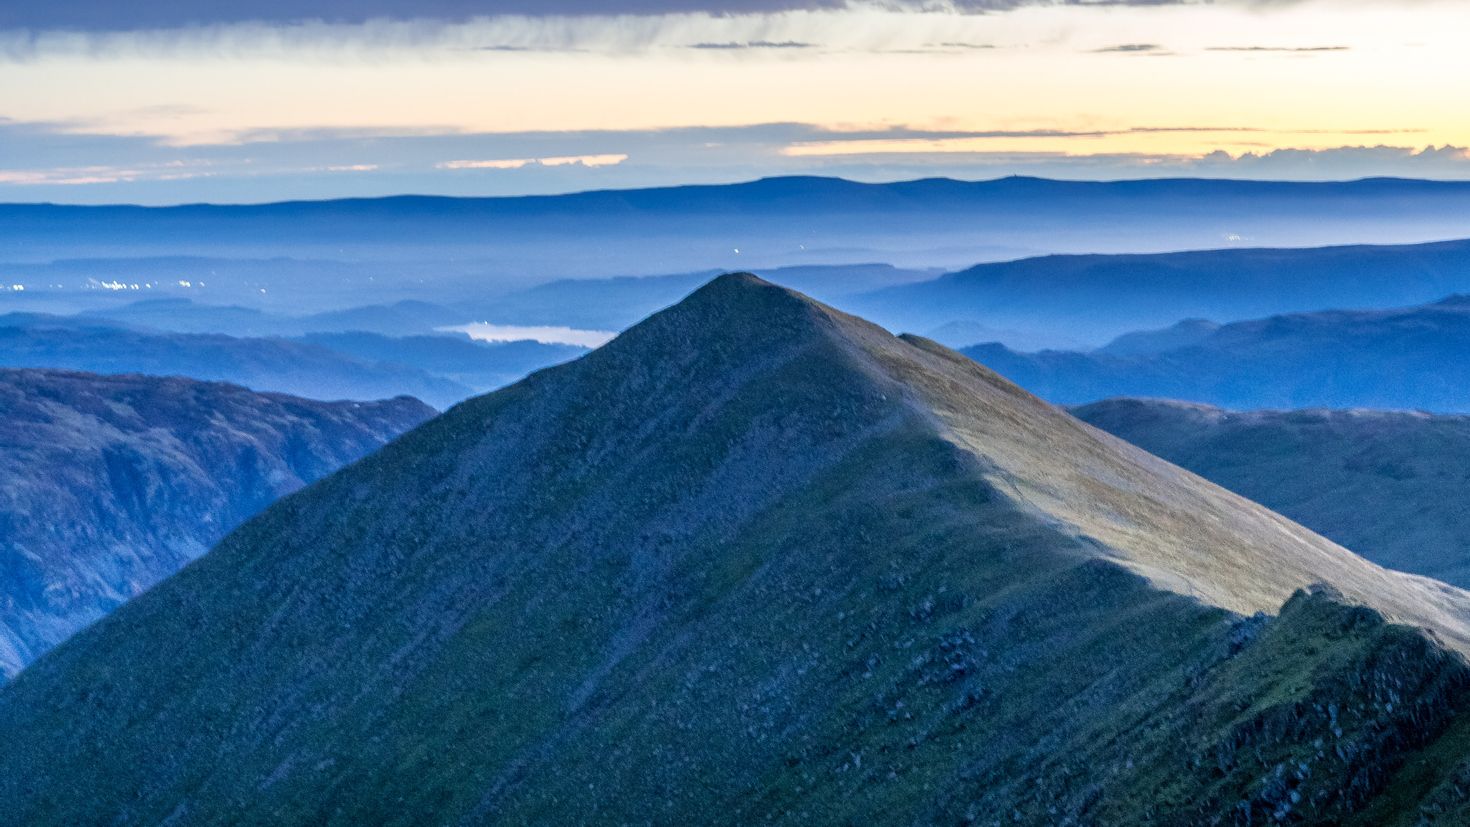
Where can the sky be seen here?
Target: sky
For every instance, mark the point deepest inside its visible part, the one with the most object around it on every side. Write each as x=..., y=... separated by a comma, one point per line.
x=169, y=101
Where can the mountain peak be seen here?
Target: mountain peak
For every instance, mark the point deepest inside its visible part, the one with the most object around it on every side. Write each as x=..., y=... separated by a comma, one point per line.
x=746, y=298
x=753, y=558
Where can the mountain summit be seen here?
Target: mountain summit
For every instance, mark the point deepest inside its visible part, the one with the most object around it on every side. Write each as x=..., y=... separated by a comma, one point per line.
x=755, y=560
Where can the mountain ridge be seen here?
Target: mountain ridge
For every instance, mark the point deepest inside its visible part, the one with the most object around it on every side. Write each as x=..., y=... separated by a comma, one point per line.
x=772, y=223
x=1396, y=358
x=753, y=560
x=779, y=184
x=1100, y=296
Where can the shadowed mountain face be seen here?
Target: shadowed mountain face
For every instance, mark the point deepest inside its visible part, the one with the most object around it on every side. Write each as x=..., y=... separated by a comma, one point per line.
x=1412, y=358
x=108, y=484
x=1394, y=487
x=754, y=560
x=1094, y=298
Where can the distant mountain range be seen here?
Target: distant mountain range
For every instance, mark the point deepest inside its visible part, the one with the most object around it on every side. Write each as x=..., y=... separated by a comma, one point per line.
x=109, y=484
x=757, y=561
x=441, y=370
x=1057, y=301
x=260, y=364
x=480, y=366
x=1409, y=358
x=767, y=223
x=1388, y=485
x=181, y=315
x=586, y=303
x=1095, y=298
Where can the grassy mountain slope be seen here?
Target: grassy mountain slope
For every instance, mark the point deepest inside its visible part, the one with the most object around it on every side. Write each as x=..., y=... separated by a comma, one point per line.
x=108, y=484
x=754, y=560
x=1405, y=358
x=1388, y=485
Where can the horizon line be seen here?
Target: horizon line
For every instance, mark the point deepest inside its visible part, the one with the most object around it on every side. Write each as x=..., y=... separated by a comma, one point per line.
x=1383, y=179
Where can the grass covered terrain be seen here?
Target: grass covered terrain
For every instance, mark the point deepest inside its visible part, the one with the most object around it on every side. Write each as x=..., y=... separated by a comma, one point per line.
x=1390, y=485
x=753, y=561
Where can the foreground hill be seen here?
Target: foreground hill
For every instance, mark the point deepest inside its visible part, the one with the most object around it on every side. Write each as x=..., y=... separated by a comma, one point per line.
x=1391, y=486
x=108, y=484
x=1409, y=358
x=1095, y=298
x=755, y=560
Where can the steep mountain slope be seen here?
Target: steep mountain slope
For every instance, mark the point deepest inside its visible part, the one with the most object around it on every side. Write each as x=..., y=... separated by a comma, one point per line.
x=108, y=484
x=1391, y=486
x=302, y=369
x=1095, y=298
x=1409, y=358
x=754, y=560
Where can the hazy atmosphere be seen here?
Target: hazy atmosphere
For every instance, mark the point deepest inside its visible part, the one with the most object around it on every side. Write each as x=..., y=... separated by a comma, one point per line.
x=807, y=412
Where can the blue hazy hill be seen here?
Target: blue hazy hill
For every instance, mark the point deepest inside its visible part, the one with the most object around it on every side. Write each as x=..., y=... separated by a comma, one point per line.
x=1095, y=298
x=1407, y=358
x=771, y=222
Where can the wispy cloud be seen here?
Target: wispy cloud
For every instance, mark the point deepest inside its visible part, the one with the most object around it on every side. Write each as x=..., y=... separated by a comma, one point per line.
x=512, y=48
x=591, y=161
x=909, y=141
x=1299, y=50
x=754, y=44
x=335, y=162
x=103, y=174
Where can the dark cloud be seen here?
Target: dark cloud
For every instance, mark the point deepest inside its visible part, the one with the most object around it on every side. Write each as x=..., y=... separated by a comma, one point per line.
x=111, y=15
x=1132, y=49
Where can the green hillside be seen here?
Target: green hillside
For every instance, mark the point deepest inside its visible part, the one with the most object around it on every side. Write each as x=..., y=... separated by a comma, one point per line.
x=1390, y=485
x=755, y=561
